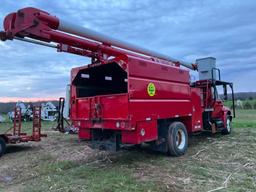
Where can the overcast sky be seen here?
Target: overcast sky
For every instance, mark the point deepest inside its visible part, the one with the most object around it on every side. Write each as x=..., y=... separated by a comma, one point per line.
x=184, y=30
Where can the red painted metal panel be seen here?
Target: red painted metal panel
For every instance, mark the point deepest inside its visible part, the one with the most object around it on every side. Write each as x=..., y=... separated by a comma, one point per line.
x=111, y=107
x=83, y=108
x=163, y=89
x=84, y=133
x=115, y=106
x=159, y=109
x=197, y=121
x=105, y=124
x=73, y=113
x=145, y=131
x=143, y=68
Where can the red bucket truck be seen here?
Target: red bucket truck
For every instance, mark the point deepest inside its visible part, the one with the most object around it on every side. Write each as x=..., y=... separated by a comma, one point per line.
x=129, y=94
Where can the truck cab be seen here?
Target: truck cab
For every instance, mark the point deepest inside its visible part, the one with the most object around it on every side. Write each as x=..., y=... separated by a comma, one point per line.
x=216, y=116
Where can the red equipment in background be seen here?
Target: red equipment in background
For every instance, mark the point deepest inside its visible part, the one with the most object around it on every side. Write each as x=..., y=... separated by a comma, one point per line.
x=128, y=94
x=17, y=136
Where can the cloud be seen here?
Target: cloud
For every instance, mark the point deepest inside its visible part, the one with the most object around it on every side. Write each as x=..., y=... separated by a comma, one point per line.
x=185, y=30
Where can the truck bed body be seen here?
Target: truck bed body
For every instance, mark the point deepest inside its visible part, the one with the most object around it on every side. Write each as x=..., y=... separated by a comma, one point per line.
x=130, y=95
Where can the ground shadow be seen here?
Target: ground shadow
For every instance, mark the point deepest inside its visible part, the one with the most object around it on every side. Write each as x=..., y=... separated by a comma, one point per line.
x=134, y=153
x=18, y=148
x=197, y=139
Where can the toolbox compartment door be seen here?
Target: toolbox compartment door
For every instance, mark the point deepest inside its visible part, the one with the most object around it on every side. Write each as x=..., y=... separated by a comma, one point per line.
x=108, y=107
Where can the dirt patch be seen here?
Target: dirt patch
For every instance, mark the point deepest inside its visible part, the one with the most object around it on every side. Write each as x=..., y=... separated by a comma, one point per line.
x=67, y=148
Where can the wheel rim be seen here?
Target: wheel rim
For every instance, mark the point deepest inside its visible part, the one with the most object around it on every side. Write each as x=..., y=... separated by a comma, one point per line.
x=180, y=139
x=228, y=124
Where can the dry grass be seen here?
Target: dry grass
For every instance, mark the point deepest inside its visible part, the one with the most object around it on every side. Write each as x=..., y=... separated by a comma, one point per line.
x=62, y=163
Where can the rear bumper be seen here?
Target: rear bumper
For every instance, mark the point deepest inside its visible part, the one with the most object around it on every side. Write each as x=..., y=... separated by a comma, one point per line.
x=116, y=124
x=131, y=133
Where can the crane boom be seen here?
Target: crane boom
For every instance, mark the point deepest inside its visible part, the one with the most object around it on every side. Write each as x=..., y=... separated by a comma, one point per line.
x=90, y=34
x=40, y=25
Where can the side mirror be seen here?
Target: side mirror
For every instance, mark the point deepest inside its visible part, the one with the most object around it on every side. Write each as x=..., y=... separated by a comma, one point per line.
x=225, y=95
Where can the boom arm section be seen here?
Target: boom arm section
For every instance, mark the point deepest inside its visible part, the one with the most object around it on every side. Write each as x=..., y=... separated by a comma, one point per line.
x=30, y=24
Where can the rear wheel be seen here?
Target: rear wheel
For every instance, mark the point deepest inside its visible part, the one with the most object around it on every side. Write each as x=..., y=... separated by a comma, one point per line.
x=227, y=129
x=2, y=146
x=177, y=139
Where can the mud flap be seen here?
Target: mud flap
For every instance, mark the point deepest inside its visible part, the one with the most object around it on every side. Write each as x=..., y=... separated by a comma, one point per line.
x=111, y=143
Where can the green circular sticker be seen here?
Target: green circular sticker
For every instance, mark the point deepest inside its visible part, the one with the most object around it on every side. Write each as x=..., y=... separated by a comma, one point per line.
x=151, y=89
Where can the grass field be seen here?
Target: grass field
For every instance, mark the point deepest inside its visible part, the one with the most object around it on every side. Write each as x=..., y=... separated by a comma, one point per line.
x=251, y=102
x=62, y=163
x=245, y=119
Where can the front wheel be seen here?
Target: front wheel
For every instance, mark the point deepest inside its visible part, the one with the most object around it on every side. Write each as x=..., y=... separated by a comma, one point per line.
x=177, y=139
x=228, y=127
x=2, y=146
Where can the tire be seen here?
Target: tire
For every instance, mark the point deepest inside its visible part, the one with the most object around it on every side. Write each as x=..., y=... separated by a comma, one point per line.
x=177, y=139
x=228, y=128
x=2, y=146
